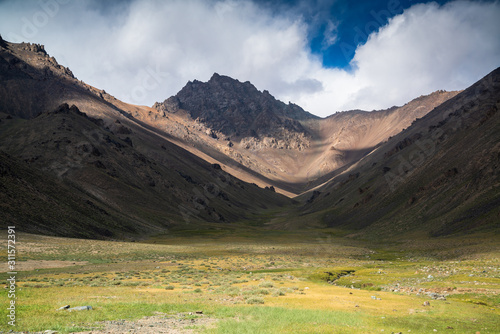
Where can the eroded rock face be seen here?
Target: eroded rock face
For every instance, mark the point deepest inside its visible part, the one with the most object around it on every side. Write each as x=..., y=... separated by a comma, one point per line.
x=239, y=110
x=288, y=141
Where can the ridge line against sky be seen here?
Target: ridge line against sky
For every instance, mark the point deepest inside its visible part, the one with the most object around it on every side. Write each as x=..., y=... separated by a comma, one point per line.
x=324, y=55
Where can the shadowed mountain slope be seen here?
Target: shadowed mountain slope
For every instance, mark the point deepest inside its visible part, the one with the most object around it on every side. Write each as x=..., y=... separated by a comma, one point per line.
x=438, y=177
x=136, y=180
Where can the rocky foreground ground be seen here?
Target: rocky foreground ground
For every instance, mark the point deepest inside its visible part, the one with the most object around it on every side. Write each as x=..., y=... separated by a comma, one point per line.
x=181, y=323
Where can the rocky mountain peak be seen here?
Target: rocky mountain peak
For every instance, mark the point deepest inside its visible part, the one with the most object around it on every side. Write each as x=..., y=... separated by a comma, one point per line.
x=228, y=82
x=236, y=109
x=216, y=77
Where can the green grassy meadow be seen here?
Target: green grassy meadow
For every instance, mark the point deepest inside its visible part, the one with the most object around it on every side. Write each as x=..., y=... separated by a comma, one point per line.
x=310, y=281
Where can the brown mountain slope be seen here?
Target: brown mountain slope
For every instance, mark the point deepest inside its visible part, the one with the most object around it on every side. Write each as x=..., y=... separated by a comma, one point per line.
x=268, y=142
x=32, y=82
x=348, y=136
x=438, y=177
x=136, y=180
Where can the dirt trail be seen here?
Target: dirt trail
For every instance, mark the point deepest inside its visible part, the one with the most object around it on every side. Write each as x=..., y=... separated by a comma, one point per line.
x=182, y=323
x=41, y=264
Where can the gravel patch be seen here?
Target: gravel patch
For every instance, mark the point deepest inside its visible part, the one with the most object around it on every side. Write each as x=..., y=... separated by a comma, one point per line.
x=181, y=323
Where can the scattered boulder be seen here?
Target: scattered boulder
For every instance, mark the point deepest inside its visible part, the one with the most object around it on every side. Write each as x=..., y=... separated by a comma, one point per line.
x=80, y=308
x=436, y=296
x=211, y=133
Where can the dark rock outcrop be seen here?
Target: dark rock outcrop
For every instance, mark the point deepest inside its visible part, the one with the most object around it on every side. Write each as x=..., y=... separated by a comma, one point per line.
x=237, y=109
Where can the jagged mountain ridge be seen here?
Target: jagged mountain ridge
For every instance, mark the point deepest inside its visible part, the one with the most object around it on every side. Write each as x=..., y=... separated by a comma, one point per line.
x=293, y=150
x=236, y=109
x=33, y=81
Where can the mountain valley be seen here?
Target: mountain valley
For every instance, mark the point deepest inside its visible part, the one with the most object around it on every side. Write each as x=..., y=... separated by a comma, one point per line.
x=224, y=210
x=220, y=152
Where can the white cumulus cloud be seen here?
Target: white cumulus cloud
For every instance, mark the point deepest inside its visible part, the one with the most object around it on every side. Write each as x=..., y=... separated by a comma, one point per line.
x=143, y=51
x=424, y=49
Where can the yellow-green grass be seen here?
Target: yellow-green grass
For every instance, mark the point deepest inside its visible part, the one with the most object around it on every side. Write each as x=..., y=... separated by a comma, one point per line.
x=271, y=283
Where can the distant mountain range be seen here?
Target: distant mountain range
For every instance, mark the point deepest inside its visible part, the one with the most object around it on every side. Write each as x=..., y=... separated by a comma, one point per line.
x=75, y=161
x=278, y=144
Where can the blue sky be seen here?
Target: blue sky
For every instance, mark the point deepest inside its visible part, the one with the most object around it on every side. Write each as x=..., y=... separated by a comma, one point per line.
x=325, y=55
x=336, y=27
x=352, y=22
